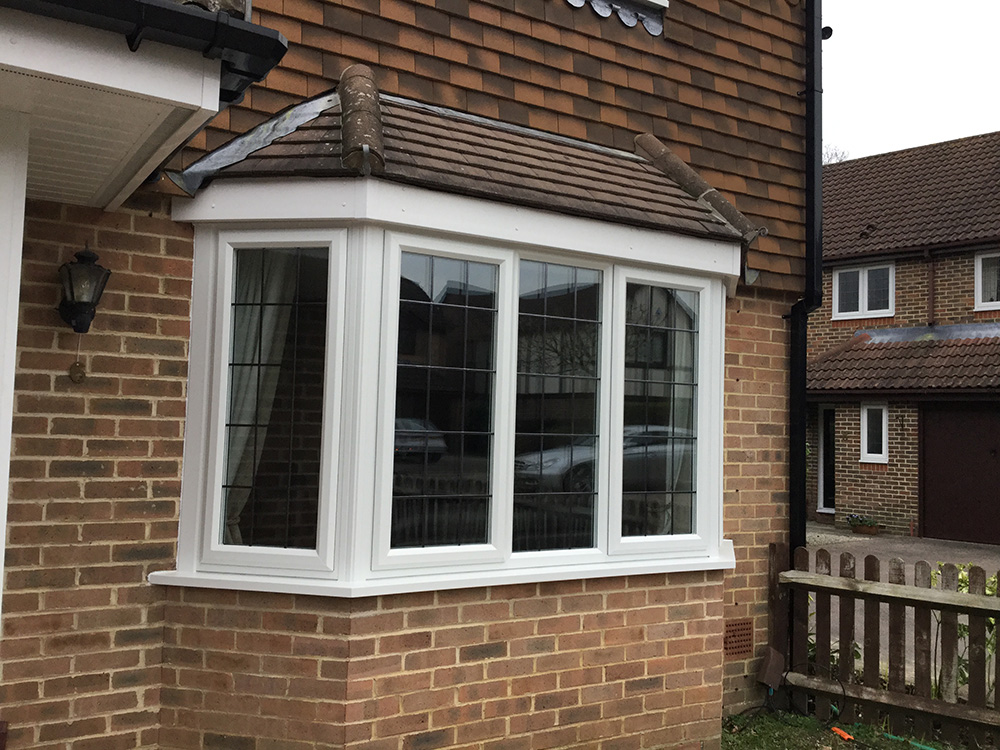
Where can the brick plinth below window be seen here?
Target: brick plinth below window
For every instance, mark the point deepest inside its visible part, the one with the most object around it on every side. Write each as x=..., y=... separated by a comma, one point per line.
x=638, y=659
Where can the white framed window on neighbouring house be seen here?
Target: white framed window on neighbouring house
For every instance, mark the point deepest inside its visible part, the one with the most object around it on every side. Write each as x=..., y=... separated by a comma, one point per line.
x=875, y=433
x=867, y=292
x=988, y=281
x=376, y=408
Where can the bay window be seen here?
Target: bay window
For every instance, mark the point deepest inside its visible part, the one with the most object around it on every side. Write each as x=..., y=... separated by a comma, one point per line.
x=374, y=410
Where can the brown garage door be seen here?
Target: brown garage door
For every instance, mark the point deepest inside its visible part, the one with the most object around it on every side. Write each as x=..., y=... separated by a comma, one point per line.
x=959, y=477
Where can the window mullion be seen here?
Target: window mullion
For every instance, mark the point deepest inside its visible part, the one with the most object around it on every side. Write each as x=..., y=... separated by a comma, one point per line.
x=505, y=398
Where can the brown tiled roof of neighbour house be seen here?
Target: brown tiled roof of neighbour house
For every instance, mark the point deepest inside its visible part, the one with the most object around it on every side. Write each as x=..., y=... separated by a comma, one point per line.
x=454, y=152
x=935, y=196
x=943, y=359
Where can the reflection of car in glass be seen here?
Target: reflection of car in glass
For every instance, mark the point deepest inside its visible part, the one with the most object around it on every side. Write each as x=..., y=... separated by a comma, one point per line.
x=416, y=439
x=654, y=458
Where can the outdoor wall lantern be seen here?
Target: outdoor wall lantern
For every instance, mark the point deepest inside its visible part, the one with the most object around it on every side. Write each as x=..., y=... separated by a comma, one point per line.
x=83, y=283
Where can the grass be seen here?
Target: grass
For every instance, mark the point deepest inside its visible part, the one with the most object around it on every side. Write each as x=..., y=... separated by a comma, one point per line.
x=783, y=731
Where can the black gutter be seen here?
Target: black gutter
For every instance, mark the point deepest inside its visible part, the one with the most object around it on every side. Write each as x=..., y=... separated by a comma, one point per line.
x=813, y=295
x=248, y=52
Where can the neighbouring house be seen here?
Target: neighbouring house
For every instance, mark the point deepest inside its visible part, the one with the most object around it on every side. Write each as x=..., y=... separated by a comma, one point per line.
x=433, y=401
x=905, y=351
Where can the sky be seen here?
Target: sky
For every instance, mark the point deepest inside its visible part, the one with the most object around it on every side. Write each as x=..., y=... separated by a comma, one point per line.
x=902, y=73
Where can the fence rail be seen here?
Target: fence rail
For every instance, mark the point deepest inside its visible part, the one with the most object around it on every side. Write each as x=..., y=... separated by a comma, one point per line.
x=914, y=645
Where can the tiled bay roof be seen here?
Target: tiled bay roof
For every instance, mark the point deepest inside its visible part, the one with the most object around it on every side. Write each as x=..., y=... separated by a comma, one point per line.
x=938, y=195
x=961, y=359
x=454, y=152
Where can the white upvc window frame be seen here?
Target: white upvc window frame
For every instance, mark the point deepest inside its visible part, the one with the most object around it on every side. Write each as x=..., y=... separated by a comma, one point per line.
x=868, y=457
x=863, y=311
x=208, y=396
x=366, y=224
x=980, y=304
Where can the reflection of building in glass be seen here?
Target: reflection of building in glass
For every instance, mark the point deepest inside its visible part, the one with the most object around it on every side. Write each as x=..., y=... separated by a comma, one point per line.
x=661, y=332
x=444, y=397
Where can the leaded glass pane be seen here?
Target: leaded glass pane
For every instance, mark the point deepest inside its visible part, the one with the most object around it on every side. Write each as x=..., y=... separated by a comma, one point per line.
x=556, y=441
x=275, y=412
x=444, y=396
x=660, y=403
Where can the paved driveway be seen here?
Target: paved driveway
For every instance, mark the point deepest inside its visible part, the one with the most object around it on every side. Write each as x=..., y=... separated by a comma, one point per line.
x=908, y=549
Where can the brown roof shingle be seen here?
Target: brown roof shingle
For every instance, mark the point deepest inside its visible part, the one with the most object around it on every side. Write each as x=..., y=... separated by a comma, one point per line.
x=937, y=195
x=450, y=151
x=915, y=364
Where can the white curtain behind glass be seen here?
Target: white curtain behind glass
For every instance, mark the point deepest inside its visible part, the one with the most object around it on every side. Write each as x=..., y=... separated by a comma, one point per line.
x=266, y=281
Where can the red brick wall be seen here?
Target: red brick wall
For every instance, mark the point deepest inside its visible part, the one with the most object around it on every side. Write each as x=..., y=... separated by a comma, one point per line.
x=613, y=663
x=756, y=466
x=889, y=492
x=94, y=481
x=93, y=511
x=954, y=301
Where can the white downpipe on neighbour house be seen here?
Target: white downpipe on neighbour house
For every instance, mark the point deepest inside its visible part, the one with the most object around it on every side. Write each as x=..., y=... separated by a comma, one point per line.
x=14, y=128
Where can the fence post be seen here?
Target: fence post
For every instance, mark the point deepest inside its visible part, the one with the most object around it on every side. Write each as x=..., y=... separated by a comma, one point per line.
x=897, y=642
x=948, y=679
x=800, y=632
x=823, y=668
x=849, y=712
x=873, y=630
x=977, y=652
x=922, y=726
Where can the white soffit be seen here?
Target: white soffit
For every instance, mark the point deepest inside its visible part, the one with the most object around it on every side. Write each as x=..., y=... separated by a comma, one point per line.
x=102, y=117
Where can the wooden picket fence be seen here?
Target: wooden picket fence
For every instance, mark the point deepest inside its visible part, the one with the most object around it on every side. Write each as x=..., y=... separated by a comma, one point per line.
x=933, y=674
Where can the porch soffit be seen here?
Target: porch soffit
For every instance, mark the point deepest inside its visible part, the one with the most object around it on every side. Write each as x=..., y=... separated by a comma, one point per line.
x=103, y=117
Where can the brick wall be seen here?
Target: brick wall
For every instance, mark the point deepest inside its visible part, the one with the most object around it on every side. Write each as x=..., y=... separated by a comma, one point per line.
x=95, y=473
x=756, y=467
x=94, y=481
x=721, y=85
x=614, y=663
x=886, y=492
x=93, y=510
x=954, y=301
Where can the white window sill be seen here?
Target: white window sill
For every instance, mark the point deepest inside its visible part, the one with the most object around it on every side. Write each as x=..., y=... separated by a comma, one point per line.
x=724, y=560
x=864, y=315
x=827, y=511
x=987, y=307
x=874, y=460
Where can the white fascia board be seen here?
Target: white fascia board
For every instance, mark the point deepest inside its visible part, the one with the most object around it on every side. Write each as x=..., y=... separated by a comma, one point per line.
x=94, y=57
x=250, y=202
x=725, y=559
x=13, y=178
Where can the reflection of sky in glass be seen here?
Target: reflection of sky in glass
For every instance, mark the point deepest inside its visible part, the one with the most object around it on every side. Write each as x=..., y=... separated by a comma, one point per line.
x=448, y=280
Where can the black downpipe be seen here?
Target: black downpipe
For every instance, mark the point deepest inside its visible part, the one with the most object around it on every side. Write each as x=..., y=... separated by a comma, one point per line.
x=813, y=295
